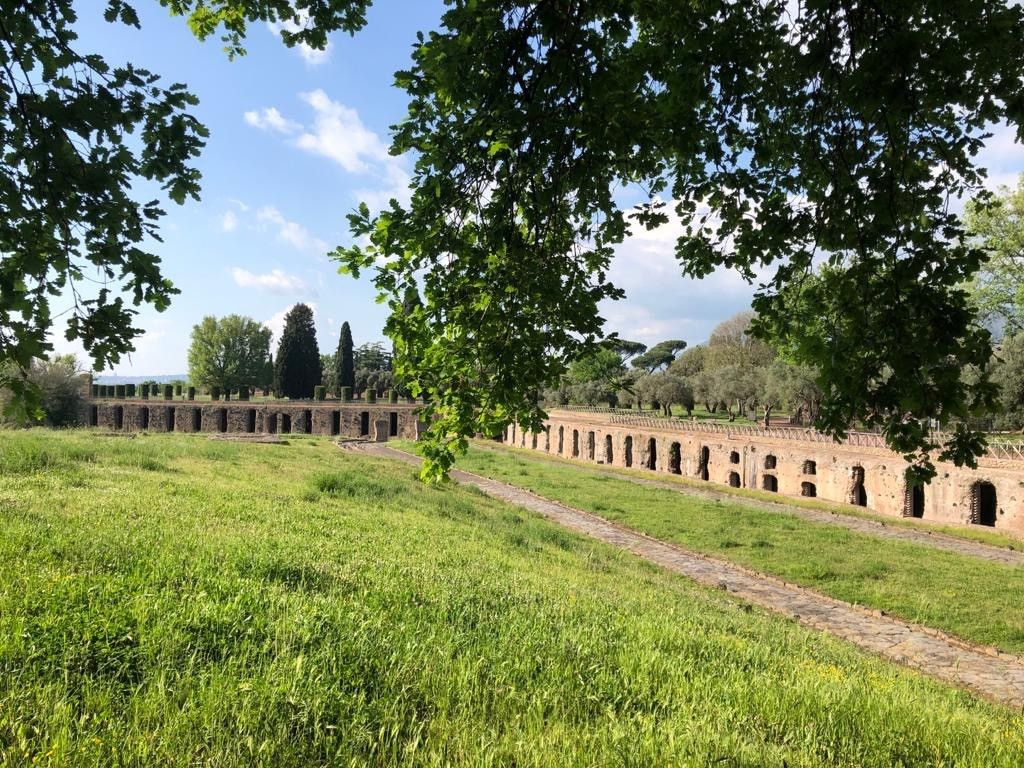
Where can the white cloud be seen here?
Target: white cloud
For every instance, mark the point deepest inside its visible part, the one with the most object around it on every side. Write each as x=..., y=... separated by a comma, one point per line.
x=229, y=222
x=311, y=56
x=275, y=281
x=339, y=134
x=292, y=232
x=269, y=119
x=1003, y=156
x=276, y=321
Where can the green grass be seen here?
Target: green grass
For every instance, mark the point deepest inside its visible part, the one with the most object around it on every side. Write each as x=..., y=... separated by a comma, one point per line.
x=969, y=597
x=171, y=600
x=978, y=534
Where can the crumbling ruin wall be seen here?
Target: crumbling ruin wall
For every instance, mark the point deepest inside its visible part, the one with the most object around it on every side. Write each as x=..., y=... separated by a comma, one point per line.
x=239, y=417
x=790, y=467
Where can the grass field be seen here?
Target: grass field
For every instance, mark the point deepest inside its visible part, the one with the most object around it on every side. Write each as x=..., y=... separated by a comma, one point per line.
x=171, y=600
x=972, y=598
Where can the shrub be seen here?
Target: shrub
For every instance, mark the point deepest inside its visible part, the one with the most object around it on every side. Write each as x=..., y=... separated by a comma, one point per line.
x=243, y=393
x=319, y=392
x=61, y=390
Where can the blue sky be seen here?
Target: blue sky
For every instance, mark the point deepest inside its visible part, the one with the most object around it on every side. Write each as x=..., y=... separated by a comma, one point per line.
x=297, y=139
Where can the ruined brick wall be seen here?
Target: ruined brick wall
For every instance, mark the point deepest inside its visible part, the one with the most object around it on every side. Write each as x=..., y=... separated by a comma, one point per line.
x=238, y=417
x=871, y=477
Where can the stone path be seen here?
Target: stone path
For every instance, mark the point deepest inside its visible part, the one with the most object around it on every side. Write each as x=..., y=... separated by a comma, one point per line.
x=984, y=671
x=878, y=528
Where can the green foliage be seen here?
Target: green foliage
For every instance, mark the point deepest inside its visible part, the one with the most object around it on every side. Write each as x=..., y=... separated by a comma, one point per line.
x=78, y=133
x=229, y=352
x=774, y=134
x=997, y=290
x=297, y=363
x=344, y=360
x=60, y=389
x=215, y=392
x=1008, y=375
x=914, y=368
x=659, y=356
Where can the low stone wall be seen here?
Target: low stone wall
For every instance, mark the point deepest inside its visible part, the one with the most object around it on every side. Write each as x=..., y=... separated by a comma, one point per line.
x=370, y=420
x=869, y=477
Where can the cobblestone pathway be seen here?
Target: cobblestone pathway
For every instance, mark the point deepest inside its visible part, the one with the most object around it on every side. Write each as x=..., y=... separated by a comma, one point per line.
x=996, y=676
x=879, y=528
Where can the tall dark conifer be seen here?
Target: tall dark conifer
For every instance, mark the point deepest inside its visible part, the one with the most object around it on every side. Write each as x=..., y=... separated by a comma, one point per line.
x=297, y=363
x=344, y=365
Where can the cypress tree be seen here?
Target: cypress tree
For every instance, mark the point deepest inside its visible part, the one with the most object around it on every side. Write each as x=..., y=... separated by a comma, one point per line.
x=344, y=364
x=297, y=362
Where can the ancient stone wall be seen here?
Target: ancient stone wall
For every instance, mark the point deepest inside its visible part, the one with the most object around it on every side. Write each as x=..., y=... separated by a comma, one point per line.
x=370, y=420
x=860, y=475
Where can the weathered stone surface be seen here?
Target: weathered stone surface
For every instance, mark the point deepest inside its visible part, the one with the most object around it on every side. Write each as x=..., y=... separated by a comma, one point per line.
x=845, y=473
x=354, y=419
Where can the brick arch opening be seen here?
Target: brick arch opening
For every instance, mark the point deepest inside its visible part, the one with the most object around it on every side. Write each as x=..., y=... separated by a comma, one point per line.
x=810, y=467
x=770, y=483
x=913, y=499
x=119, y=417
x=547, y=440
x=591, y=446
x=286, y=423
x=675, y=459
x=575, y=443
x=250, y=420
x=770, y=462
x=222, y=419
x=627, y=451
x=364, y=423
x=734, y=479
x=984, y=503
x=608, y=457
x=857, y=494
x=144, y=418
x=734, y=457
x=652, y=454
x=703, y=461
x=169, y=419
x=808, y=489
x=561, y=440
x=197, y=419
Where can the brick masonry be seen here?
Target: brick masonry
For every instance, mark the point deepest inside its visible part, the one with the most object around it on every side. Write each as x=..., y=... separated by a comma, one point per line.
x=871, y=477
x=356, y=419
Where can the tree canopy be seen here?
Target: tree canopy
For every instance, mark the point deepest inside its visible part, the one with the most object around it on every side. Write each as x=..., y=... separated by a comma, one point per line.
x=998, y=288
x=77, y=132
x=230, y=353
x=297, y=363
x=776, y=134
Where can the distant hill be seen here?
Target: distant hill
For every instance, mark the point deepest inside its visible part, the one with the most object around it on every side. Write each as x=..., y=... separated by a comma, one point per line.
x=139, y=379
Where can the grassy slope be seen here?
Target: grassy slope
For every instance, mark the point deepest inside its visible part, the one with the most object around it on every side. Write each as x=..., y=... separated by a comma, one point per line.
x=975, y=599
x=174, y=601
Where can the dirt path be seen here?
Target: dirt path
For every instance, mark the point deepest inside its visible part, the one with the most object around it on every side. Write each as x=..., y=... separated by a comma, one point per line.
x=993, y=675
x=860, y=524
